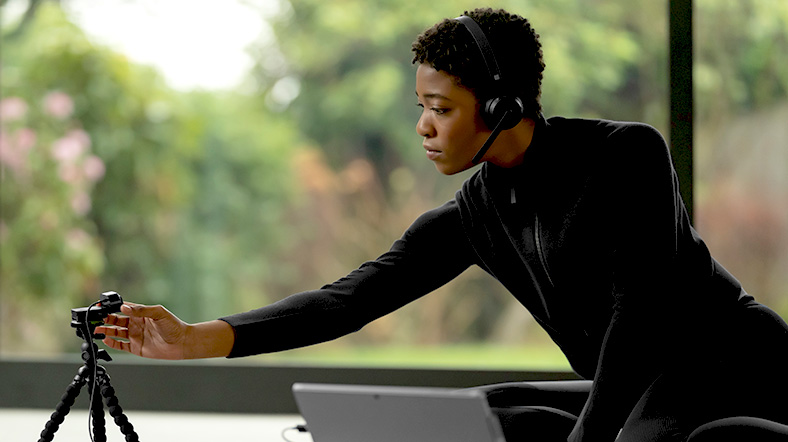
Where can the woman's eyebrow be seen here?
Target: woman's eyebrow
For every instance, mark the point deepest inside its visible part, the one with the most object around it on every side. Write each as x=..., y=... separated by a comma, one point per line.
x=434, y=95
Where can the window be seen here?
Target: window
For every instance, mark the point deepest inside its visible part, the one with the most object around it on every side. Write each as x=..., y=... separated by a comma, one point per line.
x=741, y=177
x=215, y=201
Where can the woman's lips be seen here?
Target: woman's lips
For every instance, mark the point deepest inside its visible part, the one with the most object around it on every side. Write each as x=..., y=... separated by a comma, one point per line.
x=432, y=154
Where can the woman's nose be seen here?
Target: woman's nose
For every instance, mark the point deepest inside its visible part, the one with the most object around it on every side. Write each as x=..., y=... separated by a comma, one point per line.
x=423, y=127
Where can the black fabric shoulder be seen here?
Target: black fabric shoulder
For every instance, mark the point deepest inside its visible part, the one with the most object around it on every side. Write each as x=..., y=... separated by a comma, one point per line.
x=636, y=143
x=438, y=237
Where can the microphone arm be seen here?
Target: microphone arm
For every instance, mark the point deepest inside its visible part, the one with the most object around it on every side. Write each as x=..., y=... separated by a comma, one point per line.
x=486, y=146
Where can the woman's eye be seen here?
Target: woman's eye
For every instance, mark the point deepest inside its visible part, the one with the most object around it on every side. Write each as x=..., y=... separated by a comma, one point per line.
x=436, y=110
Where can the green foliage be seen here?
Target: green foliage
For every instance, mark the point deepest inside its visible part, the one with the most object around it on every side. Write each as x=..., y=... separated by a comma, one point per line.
x=51, y=165
x=212, y=203
x=113, y=181
x=741, y=83
x=741, y=64
x=352, y=59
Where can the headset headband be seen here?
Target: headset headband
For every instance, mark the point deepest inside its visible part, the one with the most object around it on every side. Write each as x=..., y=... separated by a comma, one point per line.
x=488, y=55
x=500, y=112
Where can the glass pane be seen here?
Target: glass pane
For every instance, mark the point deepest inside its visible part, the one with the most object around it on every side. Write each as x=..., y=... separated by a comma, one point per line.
x=226, y=198
x=741, y=161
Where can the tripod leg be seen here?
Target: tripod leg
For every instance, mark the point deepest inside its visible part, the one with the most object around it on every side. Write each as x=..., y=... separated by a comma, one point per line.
x=97, y=415
x=115, y=409
x=63, y=407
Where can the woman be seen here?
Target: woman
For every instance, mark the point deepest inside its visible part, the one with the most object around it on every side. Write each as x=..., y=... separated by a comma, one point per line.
x=581, y=220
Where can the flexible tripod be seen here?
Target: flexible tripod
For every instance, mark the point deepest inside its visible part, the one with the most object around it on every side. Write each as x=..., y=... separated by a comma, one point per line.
x=96, y=378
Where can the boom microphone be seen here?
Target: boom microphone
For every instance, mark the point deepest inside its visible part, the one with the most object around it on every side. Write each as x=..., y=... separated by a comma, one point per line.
x=486, y=146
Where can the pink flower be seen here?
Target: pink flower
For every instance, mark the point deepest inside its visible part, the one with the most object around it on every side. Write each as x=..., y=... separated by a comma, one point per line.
x=14, y=149
x=69, y=173
x=94, y=168
x=58, y=104
x=81, y=203
x=25, y=139
x=70, y=147
x=12, y=108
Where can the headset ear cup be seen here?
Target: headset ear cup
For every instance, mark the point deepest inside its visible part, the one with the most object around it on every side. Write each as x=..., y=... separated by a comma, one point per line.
x=495, y=112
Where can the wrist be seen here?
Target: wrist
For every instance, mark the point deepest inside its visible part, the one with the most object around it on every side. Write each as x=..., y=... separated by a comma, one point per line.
x=212, y=339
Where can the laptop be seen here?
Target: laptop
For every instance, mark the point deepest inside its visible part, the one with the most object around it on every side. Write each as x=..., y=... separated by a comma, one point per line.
x=371, y=413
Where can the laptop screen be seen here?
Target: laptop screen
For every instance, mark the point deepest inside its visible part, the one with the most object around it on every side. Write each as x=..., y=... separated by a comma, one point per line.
x=367, y=413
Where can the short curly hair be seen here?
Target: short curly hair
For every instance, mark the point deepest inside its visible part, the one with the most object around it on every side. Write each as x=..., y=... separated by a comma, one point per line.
x=448, y=46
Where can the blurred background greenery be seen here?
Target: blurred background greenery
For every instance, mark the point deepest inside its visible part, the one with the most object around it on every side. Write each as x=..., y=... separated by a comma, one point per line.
x=213, y=200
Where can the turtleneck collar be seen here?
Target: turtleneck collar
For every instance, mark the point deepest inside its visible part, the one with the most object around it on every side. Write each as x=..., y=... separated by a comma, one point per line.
x=532, y=153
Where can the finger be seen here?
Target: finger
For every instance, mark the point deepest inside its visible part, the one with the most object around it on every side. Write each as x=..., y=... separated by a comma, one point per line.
x=146, y=311
x=117, y=345
x=121, y=321
x=113, y=331
x=127, y=307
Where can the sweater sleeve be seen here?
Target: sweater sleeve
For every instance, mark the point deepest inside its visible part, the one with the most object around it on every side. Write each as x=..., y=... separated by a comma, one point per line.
x=646, y=326
x=432, y=251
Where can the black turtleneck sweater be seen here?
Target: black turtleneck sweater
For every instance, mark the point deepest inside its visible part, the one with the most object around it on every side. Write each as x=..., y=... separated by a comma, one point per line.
x=589, y=233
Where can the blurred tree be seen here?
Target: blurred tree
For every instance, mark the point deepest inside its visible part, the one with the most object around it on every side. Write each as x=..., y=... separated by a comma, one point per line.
x=351, y=61
x=741, y=82
x=217, y=202
x=739, y=64
x=30, y=12
x=50, y=167
x=110, y=180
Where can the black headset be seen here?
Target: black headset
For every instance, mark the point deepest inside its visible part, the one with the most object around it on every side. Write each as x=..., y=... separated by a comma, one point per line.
x=501, y=112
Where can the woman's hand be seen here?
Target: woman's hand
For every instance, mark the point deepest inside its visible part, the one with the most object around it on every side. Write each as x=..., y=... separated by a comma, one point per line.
x=147, y=331
x=154, y=332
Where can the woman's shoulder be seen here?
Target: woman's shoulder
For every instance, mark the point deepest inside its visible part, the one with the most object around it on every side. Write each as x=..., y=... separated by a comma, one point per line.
x=601, y=130
x=610, y=142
